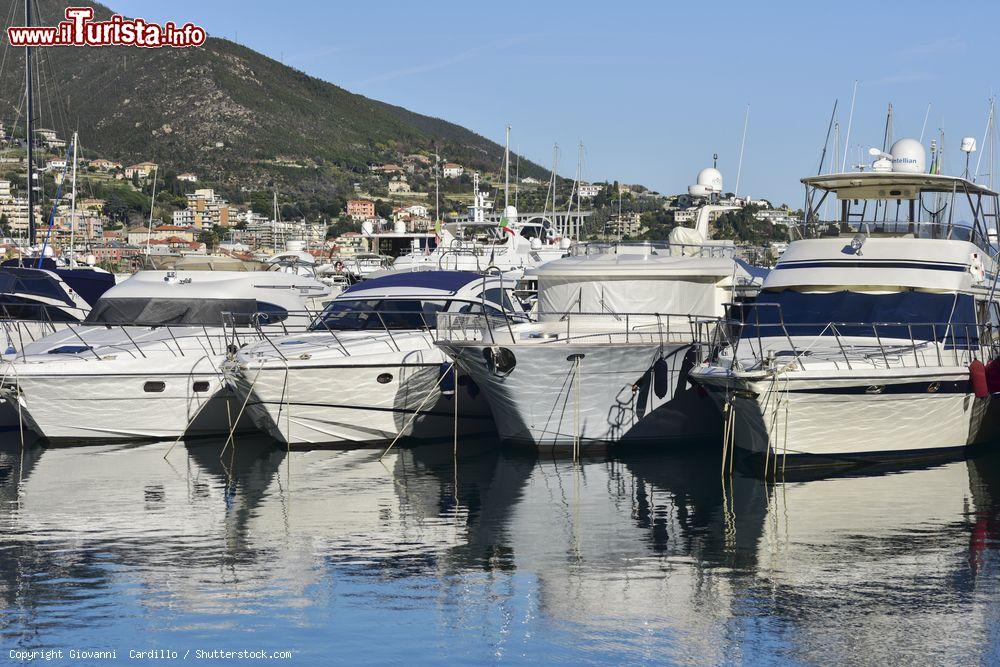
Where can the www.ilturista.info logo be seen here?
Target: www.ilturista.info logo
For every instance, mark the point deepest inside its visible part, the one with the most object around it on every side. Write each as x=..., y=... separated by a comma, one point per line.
x=80, y=30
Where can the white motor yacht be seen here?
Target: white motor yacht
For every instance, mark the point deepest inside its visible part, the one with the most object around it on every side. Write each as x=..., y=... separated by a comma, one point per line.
x=145, y=364
x=872, y=336
x=608, y=358
x=368, y=369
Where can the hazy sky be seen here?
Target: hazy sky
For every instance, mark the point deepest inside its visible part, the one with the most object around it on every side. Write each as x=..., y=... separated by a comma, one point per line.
x=651, y=88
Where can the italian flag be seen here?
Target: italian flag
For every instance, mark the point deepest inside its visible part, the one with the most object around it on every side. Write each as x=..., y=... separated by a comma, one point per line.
x=505, y=226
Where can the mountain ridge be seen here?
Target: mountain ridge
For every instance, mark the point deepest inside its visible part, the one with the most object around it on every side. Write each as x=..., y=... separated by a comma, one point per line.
x=226, y=112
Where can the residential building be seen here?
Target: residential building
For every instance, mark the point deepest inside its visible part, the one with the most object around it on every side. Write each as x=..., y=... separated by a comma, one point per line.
x=419, y=159
x=16, y=211
x=163, y=232
x=349, y=244
x=452, y=170
x=142, y=170
x=361, y=209
x=55, y=164
x=274, y=235
x=588, y=190
x=5, y=190
x=105, y=165
x=530, y=180
x=50, y=138
x=407, y=212
x=778, y=216
x=686, y=215
x=398, y=186
x=205, y=210
x=625, y=225
x=88, y=224
x=188, y=177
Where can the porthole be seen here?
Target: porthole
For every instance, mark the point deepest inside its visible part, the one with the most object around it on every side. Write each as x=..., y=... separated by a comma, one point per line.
x=154, y=387
x=200, y=387
x=384, y=378
x=875, y=389
x=933, y=387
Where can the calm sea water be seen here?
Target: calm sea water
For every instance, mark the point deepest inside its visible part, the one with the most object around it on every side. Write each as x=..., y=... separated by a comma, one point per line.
x=340, y=557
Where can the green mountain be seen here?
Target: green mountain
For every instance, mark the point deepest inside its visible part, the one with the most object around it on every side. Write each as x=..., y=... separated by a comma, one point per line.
x=223, y=111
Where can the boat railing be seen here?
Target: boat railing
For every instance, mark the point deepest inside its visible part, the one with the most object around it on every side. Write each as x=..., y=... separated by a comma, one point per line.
x=757, y=255
x=233, y=332
x=775, y=343
x=27, y=322
x=575, y=328
x=953, y=231
x=388, y=325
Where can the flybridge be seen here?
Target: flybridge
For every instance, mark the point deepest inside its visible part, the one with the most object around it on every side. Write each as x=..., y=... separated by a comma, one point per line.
x=898, y=198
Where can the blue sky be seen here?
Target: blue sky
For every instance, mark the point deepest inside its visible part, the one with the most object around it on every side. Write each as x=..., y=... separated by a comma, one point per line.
x=651, y=88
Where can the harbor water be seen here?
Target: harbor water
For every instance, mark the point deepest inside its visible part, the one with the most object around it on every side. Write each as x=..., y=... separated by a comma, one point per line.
x=493, y=558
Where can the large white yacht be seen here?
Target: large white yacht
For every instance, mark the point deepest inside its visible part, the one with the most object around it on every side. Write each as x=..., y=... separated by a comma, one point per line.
x=367, y=370
x=145, y=363
x=869, y=337
x=608, y=358
x=476, y=244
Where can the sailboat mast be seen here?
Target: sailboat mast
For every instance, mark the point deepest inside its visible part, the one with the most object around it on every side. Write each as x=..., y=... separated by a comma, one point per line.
x=152, y=203
x=30, y=129
x=506, y=170
x=743, y=143
x=72, y=210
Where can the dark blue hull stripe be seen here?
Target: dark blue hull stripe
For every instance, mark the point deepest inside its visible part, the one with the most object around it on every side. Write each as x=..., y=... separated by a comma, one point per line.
x=862, y=264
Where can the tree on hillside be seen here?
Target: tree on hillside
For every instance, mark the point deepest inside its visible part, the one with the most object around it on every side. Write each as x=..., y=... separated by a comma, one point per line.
x=117, y=208
x=383, y=209
x=210, y=238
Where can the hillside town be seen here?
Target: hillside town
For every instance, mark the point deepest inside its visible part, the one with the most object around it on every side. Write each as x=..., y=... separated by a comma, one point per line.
x=124, y=212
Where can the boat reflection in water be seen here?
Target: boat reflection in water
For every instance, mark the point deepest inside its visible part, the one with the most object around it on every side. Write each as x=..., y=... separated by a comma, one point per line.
x=638, y=558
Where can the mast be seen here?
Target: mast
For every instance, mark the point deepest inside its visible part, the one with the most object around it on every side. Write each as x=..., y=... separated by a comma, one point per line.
x=579, y=200
x=743, y=143
x=152, y=204
x=517, y=177
x=850, y=121
x=552, y=187
x=887, y=138
x=506, y=170
x=30, y=129
x=274, y=223
x=72, y=211
x=437, y=190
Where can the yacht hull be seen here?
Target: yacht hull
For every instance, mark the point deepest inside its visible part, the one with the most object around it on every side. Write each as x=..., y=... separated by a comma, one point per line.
x=87, y=408
x=597, y=394
x=346, y=405
x=802, y=422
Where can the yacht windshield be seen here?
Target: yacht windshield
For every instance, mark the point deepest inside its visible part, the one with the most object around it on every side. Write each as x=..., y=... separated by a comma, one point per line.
x=950, y=318
x=379, y=314
x=156, y=312
x=394, y=314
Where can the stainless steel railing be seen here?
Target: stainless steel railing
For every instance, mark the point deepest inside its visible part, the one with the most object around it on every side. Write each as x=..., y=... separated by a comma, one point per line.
x=758, y=345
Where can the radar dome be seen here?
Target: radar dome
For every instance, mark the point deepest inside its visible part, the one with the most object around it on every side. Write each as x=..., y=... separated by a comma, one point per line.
x=908, y=156
x=367, y=228
x=510, y=213
x=399, y=227
x=711, y=178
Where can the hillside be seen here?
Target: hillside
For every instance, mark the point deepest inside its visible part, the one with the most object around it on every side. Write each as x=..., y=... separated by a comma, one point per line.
x=225, y=112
